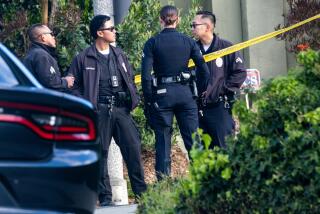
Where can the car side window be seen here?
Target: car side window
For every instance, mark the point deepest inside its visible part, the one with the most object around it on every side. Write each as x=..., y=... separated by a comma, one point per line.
x=7, y=78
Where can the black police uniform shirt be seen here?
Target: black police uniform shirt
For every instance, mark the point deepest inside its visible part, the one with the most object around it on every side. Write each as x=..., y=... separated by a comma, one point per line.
x=168, y=54
x=109, y=73
x=40, y=60
x=226, y=74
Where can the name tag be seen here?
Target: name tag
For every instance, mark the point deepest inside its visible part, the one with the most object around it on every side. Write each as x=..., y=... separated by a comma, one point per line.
x=90, y=68
x=124, y=67
x=162, y=91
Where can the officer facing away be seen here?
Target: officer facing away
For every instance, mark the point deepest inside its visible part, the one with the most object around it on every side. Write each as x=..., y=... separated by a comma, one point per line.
x=104, y=77
x=167, y=92
x=40, y=59
x=226, y=76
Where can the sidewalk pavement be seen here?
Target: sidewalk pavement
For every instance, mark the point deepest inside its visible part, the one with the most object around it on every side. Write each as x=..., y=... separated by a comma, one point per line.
x=122, y=209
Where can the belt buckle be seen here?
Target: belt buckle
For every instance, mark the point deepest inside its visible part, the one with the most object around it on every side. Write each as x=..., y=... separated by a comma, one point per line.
x=178, y=79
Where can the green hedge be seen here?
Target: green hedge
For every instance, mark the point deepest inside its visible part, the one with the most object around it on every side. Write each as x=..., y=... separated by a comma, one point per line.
x=274, y=164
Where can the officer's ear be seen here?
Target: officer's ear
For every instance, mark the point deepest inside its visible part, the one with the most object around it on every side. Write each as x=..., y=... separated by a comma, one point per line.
x=178, y=20
x=210, y=27
x=99, y=33
x=161, y=22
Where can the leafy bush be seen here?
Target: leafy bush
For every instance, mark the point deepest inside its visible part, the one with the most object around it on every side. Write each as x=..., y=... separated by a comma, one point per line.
x=207, y=181
x=146, y=133
x=275, y=159
x=71, y=22
x=160, y=198
x=73, y=32
x=273, y=166
x=307, y=35
x=15, y=16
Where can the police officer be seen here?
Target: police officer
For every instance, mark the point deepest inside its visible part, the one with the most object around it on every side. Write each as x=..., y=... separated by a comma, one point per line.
x=104, y=77
x=167, y=92
x=226, y=76
x=40, y=59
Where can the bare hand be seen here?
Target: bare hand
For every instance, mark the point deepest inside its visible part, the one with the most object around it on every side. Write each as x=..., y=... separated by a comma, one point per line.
x=204, y=94
x=70, y=81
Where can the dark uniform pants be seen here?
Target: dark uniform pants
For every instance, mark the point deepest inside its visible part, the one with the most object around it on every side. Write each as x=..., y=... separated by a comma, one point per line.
x=119, y=125
x=177, y=100
x=218, y=123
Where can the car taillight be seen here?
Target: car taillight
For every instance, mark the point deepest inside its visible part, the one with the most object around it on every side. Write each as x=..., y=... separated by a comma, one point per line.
x=48, y=122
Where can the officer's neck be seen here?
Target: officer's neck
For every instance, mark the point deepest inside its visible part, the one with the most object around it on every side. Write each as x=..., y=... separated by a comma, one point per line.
x=102, y=45
x=207, y=39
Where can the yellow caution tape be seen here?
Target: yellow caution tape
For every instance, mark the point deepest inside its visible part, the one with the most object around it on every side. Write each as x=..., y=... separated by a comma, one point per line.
x=137, y=78
x=242, y=45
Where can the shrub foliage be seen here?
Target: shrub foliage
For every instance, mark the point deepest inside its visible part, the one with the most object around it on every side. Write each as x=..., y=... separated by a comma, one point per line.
x=273, y=166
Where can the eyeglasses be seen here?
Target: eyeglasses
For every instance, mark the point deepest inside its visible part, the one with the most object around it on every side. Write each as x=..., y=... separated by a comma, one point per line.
x=194, y=25
x=51, y=33
x=112, y=28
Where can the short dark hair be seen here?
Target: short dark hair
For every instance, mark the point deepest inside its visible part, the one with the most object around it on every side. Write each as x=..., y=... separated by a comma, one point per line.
x=32, y=31
x=96, y=23
x=208, y=15
x=169, y=14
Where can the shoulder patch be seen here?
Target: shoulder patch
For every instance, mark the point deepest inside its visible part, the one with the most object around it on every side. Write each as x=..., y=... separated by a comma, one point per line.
x=52, y=71
x=239, y=60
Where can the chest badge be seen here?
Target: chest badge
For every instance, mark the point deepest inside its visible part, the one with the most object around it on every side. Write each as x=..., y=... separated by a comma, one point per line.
x=219, y=62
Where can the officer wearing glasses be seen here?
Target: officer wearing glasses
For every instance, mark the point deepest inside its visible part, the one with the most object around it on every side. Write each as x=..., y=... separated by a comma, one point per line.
x=104, y=76
x=41, y=59
x=167, y=91
x=227, y=75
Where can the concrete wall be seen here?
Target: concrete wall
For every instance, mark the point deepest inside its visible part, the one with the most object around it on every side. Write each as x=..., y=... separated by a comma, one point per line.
x=228, y=16
x=260, y=17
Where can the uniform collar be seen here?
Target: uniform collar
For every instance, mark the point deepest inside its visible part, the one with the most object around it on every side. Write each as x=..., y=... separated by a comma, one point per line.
x=214, y=44
x=168, y=30
x=50, y=50
x=92, y=51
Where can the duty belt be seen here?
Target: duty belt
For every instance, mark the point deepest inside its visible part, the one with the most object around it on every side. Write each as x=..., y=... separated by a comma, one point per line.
x=112, y=101
x=222, y=98
x=172, y=79
x=107, y=100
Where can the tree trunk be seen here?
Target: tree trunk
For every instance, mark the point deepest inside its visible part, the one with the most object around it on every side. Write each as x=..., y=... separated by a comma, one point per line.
x=44, y=11
x=54, y=7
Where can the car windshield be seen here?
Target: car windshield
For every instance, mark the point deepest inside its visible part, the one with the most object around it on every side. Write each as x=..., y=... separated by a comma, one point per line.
x=7, y=78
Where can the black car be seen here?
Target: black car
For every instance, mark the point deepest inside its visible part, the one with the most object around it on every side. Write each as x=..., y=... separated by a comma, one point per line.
x=49, y=157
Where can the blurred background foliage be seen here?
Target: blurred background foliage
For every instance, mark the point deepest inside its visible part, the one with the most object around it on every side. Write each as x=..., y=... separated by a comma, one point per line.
x=306, y=36
x=68, y=19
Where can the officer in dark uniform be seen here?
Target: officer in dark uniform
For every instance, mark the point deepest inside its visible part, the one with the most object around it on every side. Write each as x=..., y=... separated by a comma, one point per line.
x=41, y=61
x=104, y=76
x=226, y=76
x=167, y=92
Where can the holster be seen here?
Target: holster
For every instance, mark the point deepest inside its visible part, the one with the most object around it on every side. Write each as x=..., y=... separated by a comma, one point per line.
x=193, y=84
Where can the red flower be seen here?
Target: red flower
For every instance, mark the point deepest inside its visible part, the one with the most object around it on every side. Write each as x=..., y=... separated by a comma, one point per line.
x=303, y=47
